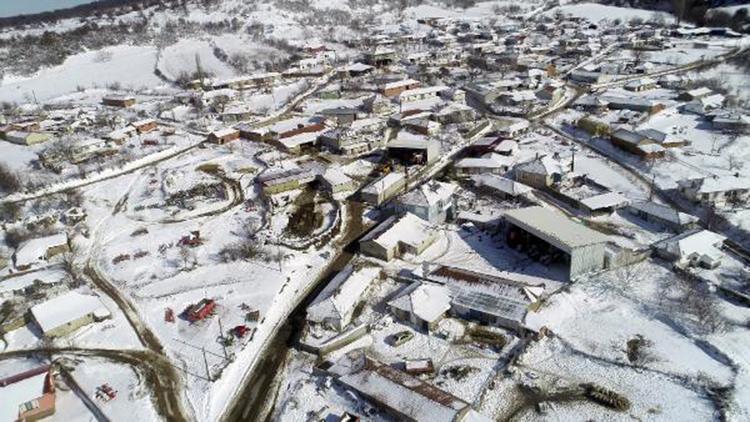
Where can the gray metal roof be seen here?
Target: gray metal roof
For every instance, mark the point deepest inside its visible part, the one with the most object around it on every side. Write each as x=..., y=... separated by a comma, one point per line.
x=554, y=228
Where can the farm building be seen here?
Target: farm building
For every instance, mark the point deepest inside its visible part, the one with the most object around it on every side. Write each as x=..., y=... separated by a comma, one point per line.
x=335, y=181
x=541, y=172
x=118, y=101
x=502, y=187
x=423, y=305
x=693, y=248
x=432, y=201
x=26, y=138
x=636, y=143
x=410, y=148
x=335, y=305
x=663, y=215
x=223, y=136
x=405, y=397
x=382, y=189
x=397, y=236
x=66, y=313
x=285, y=180
x=605, y=203
x=40, y=249
x=551, y=237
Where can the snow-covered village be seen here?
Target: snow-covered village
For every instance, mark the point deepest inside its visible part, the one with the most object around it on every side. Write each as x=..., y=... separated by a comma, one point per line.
x=371, y=210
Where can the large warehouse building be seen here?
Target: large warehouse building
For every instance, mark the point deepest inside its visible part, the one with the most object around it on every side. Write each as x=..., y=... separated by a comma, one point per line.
x=551, y=238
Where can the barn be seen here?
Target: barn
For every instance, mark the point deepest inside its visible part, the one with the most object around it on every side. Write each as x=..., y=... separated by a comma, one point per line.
x=551, y=238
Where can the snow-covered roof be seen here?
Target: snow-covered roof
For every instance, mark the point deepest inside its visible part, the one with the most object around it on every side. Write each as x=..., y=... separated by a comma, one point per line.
x=429, y=302
x=488, y=161
x=409, y=396
x=224, y=132
x=33, y=250
x=408, y=229
x=342, y=294
x=67, y=308
x=664, y=212
x=18, y=393
x=502, y=184
x=384, y=183
x=336, y=177
x=605, y=200
x=544, y=165
x=696, y=243
x=554, y=228
x=429, y=194
x=397, y=84
x=719, y=184
x=428, y=90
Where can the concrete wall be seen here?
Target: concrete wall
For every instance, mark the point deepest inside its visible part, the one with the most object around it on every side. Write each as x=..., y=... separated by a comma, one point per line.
x=373, y=249
x=586, y=259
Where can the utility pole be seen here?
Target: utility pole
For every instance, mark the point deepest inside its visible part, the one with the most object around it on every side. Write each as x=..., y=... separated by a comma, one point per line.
x=205, y=361
x=651, y=188
x=223, y=341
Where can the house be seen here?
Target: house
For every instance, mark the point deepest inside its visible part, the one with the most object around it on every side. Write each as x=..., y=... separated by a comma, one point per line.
x=64, y=314
x=694, y=248
x=413, y=149
x=641, y=105
x=118, y=101
x=285, y=180
x=636, y=143
x=383, y=189
x=223, y=136
x=663, y=215
x=405, y=397
x=393, y=89
x=380, y=57
x=487, y=164
x=421, y=304
x=593, y=126
x=717, y=191
x=396, y=236
x=356, y=69
x=33, y=251
x=502, y=187
x=510, y=127
x=28, y=395
x=335, y=305
x=639, y=85
x=144, y=126
x=731, y=122
x=419, y=94
x=432, y=201
x=604, y=204
x=695, y=94
x=587, y=77
x=663, y=139
x=335, y=181
x=26, y=138
x=506, y=147
x=541, y=172
x=553, y=238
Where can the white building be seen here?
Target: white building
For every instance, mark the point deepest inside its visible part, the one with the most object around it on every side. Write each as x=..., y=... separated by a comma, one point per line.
x=693, y=248
x=335, y=305
x=64, y=314
x=432, y=201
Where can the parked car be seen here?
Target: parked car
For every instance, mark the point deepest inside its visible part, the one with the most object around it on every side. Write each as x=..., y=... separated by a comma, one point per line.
x=401, y=337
